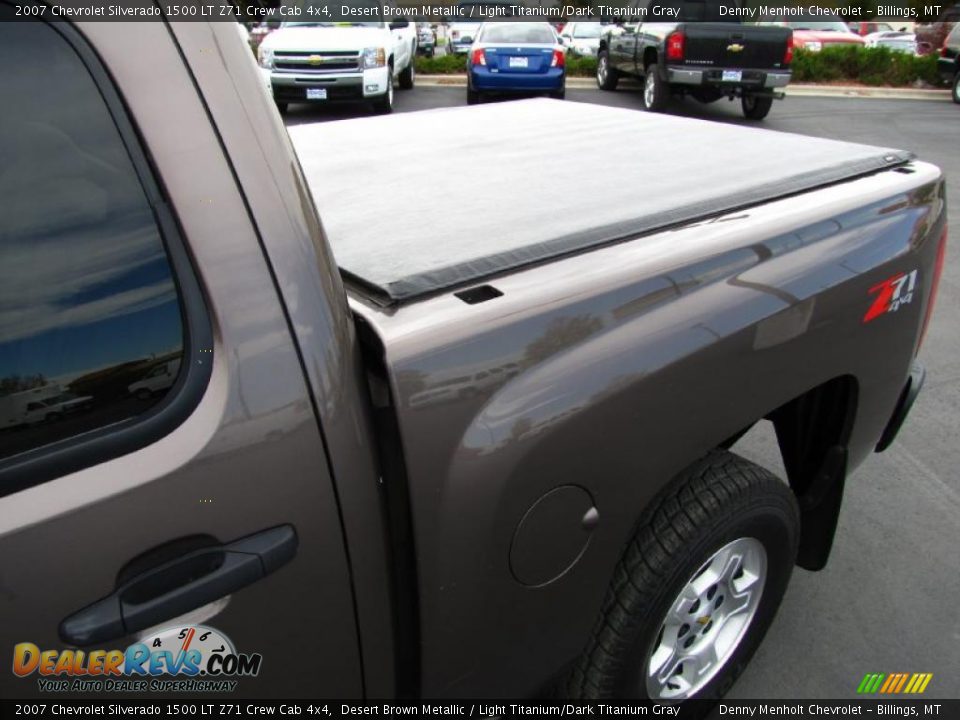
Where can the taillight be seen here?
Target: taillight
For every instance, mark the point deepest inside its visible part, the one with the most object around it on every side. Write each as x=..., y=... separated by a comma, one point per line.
x=675, y=46
x=788, y=55
x=934, y=283
x=559, y=59
x=478, y=57
x=943, y=50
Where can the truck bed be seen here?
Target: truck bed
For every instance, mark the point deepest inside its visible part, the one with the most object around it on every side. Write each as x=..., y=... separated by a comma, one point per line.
x=421, y=202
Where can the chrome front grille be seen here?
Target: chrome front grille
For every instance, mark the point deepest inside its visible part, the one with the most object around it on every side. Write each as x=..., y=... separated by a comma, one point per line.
x=317, y=63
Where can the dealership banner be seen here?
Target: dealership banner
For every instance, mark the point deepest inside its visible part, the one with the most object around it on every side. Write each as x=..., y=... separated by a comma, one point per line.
x=350, y=11
x=201, y=706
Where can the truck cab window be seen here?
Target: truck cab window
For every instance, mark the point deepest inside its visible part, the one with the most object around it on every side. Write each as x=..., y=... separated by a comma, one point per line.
x=90, y=320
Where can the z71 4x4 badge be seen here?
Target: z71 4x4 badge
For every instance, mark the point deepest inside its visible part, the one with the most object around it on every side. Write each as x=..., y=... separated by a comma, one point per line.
x=891, y=295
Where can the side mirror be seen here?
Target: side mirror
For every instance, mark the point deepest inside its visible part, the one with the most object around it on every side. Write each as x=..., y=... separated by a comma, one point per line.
x=397, y=24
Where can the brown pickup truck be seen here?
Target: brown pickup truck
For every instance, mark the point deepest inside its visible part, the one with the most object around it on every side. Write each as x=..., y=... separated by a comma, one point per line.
x=485, y=457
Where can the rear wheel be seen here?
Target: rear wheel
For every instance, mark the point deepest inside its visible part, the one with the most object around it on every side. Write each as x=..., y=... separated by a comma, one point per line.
x=756, y=107
x=559, y=94
x=473, y=97
x=956, y=88
x=696, y=589
x=407, y=76
x=607, y=76
x=655, y=90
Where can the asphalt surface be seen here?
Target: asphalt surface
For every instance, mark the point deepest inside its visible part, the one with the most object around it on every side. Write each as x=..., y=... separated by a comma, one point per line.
x=889, y=599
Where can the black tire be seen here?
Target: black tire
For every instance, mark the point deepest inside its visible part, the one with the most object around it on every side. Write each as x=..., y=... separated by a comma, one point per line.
x=559, y=94
x=656, y=92
x=607, y=77
x=384, y=105
x=756, y=108
x=956, y=88
x=407, y=75
x=473, y=97
x=719, y=499
x=282, y=107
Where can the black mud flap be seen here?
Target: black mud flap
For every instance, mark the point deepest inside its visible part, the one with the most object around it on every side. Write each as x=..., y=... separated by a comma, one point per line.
x=910, y=391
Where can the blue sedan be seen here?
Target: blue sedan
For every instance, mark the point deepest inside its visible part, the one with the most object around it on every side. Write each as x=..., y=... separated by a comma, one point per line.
x=515, y=57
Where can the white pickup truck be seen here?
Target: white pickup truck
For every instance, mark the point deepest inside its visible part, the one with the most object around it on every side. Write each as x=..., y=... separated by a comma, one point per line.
x=338, y=61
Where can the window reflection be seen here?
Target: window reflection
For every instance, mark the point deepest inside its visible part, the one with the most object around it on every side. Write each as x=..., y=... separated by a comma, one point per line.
x=90, y=321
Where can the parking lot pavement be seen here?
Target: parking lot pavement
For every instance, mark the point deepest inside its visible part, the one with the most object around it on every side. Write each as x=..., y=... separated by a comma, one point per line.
x=887, y=600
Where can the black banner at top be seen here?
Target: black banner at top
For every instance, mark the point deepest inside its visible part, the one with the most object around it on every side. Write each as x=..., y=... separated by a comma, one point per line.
x=360, y=11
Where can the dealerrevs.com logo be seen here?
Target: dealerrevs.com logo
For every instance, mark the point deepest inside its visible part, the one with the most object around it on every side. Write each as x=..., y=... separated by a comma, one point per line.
x=181, y=659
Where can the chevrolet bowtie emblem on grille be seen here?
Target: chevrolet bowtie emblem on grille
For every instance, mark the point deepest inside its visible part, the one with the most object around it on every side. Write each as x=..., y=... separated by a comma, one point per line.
x=735, y=47
x=315, y=60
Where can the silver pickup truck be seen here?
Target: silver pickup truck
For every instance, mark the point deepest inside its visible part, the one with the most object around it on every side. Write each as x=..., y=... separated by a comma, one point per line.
x=492, y=462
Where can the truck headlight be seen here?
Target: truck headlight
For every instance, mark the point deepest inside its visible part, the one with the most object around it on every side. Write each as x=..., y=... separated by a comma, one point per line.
x=374, y=57
x=265, y=57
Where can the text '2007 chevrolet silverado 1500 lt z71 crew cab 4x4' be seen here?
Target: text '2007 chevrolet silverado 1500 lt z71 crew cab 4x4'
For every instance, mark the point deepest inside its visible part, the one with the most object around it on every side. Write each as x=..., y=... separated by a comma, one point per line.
x=480, y=465
x=324, y=62
x=669, y=47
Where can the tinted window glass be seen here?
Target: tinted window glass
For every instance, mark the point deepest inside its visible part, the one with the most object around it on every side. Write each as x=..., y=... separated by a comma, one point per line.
x=90, y=322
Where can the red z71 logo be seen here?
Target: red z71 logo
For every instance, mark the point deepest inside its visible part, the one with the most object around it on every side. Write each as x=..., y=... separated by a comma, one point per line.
x=891, y=294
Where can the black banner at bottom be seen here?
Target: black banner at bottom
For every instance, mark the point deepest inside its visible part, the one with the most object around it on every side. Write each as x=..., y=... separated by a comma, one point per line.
x=203, y=707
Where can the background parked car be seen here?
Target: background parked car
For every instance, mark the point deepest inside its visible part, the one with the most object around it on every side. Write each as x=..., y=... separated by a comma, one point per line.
x=931, y=36
x=869, y=28
x=949, y=61
x=893, y=40
x=460, y=37
x=260, y=30
x=310, y=61
x=426, y=39
x=516, y=57
x=462, y=32
x=581, y=38
x=818, y=32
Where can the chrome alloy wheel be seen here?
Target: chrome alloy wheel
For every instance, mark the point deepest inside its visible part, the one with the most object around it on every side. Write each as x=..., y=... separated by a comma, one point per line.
x=649, y=89
x=707, y=621
x=602, y=70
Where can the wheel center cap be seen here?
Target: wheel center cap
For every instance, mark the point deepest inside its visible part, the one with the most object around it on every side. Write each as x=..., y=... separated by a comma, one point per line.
x=703, y=620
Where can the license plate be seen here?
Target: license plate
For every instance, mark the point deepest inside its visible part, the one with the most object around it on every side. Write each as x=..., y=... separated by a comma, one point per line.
x=518, y=62
x=316, y=93
x=732, y=76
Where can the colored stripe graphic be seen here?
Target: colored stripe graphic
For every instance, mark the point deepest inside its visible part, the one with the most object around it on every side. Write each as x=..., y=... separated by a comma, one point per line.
x=894, y=683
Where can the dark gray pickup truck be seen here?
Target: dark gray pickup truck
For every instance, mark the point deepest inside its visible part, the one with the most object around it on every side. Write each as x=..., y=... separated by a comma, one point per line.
x=696, y=48
x=489, y=459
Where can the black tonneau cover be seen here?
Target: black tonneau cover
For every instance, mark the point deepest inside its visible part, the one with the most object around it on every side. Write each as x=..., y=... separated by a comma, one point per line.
x=420, y=202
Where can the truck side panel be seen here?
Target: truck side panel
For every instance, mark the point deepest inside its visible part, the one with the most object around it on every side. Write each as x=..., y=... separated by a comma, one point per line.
x=609, y=373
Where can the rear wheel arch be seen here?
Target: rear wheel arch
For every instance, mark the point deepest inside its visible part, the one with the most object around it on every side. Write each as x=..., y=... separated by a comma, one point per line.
x=813, y=433
x=649, y=58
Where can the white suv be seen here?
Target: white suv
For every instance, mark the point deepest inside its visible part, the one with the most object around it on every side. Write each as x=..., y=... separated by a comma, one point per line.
x=337, y=61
